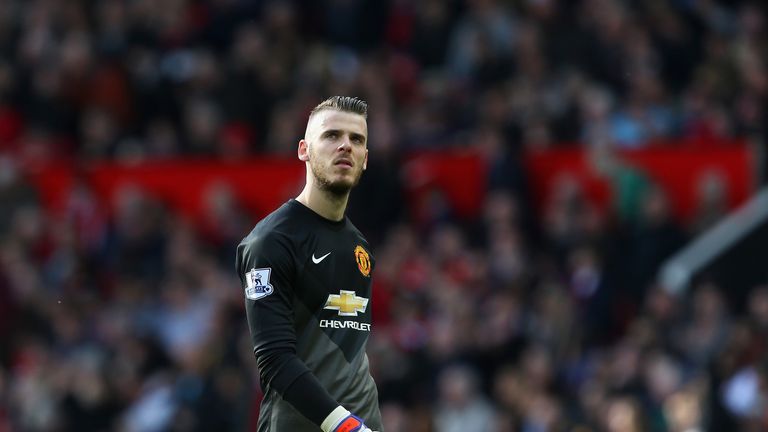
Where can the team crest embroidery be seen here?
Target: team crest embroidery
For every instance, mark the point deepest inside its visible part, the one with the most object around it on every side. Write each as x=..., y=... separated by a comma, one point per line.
x=363, y=261
x=257, y=283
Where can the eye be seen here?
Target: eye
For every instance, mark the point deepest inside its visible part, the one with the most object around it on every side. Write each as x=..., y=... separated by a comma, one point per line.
x=332, y=135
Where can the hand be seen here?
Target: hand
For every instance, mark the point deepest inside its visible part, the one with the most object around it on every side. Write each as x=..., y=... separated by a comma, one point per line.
x=341, y=420
x=352, y=423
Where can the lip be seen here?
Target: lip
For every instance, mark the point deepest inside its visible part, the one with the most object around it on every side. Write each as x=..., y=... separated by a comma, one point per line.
x=344, y=162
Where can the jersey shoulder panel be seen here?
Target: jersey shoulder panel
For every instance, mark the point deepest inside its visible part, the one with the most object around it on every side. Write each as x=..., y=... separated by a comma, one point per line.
x=269, y=244
x=354, y=229
x=282, y=221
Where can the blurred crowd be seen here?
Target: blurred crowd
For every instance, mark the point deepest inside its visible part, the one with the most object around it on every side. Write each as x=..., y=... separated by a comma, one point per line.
x=144, y=79
x=125, y=316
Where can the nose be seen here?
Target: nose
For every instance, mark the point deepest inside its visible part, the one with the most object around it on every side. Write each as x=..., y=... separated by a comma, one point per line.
x=345, y=144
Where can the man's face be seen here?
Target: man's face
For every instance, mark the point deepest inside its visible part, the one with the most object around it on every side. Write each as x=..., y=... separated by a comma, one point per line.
x=336, y=147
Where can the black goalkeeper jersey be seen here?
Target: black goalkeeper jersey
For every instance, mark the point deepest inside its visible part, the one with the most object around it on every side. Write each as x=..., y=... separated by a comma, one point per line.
x=307, y=283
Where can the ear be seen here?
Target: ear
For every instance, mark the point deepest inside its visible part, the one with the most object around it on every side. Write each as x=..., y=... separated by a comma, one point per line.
x=303, y=150
x=365, y=161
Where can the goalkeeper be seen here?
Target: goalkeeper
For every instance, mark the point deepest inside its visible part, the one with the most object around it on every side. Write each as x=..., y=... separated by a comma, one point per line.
x=306, y=272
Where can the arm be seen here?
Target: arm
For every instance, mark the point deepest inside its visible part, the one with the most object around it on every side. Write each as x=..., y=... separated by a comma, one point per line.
x=266, y=270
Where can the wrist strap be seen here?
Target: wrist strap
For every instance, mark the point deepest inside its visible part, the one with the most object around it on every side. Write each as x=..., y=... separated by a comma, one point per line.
x=334, y=419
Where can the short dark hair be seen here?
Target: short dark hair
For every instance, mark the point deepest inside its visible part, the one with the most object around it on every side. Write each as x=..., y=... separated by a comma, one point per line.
x=342, y=103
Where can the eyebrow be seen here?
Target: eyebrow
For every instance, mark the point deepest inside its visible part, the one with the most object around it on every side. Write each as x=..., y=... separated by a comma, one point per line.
x=357, y=135
x=339, y=131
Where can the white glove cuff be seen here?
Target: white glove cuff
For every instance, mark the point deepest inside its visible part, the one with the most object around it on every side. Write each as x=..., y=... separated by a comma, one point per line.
x=334, y=419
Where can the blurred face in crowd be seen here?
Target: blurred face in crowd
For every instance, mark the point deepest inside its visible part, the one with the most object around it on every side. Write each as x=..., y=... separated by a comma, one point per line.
x=335, y=148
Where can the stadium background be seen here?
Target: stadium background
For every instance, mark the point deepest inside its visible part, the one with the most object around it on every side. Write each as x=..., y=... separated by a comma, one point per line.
x=532, y=163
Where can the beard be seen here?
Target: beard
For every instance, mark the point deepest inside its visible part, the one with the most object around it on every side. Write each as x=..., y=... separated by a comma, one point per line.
x=336, y=188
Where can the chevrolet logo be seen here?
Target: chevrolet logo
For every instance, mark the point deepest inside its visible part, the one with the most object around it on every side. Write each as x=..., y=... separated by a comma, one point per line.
x=347, y=303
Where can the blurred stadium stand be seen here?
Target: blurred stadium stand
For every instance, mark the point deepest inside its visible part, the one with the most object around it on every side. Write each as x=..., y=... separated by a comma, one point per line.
x=533, y=164
x=724, y=252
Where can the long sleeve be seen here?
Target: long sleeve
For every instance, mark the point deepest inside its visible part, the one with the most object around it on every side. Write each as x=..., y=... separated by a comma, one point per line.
x=266, y=268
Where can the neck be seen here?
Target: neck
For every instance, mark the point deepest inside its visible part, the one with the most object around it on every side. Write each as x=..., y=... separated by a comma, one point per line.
x=324, y=203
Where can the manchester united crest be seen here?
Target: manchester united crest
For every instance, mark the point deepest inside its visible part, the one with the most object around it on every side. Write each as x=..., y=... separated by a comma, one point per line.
x=363, y=261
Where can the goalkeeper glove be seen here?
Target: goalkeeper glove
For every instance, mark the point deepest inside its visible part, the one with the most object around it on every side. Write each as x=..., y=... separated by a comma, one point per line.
x=341, y=420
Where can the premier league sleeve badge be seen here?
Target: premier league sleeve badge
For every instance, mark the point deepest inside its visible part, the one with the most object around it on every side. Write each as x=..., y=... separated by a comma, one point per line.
x=257, y=283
